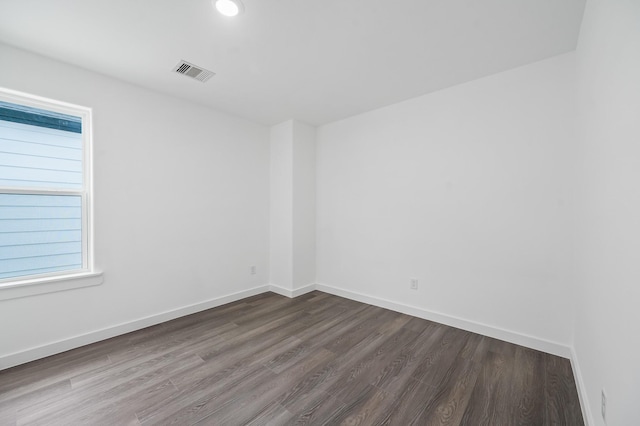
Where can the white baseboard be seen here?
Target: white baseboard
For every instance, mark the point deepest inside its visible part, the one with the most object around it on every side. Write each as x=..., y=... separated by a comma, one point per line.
x=582, y=389
x=554, y=348
x=292, y=293
x=49, y=349
x=521, y=339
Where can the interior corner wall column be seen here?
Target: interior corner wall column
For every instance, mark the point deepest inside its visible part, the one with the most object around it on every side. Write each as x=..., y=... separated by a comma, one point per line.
x=292, y=209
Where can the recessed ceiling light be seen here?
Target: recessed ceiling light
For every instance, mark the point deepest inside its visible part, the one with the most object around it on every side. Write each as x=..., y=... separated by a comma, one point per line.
x=229, y=7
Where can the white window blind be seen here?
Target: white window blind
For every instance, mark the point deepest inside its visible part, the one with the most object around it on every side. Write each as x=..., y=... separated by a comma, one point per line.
x=39, y=234
x=43, y=190
x=32, y=156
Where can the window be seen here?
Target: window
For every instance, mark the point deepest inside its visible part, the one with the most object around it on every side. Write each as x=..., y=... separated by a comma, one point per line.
x=45, y=189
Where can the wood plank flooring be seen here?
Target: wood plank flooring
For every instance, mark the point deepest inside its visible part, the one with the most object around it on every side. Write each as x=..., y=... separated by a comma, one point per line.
x=270, y=360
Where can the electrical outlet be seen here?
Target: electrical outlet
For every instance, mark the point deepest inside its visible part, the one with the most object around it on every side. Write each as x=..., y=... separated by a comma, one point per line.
x=413, y=283
x=252, y=269
x=603, y=406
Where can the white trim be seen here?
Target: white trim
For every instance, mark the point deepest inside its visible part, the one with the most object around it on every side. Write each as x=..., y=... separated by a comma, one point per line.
x=81, y=280
x=521, y=339
x=280, y=290
x=87, y=201
x=15, y=289
x=583, y=396
x=87, y=188
x=49, y=349
x=547, y=346
x=39, y=191
x=41, y=102
x=292, y=293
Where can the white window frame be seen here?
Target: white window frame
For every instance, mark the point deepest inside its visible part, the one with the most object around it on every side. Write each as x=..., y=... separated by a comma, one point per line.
x=62, y=280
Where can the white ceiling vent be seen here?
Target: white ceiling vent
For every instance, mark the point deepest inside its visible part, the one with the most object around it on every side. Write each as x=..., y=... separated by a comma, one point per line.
x=193, y=71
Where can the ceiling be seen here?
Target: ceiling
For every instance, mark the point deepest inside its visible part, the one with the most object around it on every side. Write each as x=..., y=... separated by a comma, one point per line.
x=314, y=61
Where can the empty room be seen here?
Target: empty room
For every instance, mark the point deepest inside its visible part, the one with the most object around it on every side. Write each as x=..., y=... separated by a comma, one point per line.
x=243, y=212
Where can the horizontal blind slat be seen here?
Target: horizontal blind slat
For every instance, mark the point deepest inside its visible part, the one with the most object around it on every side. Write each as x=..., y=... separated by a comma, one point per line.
x=40, y=175
x=15, y=200
x=25, y=264
x=39, y=225
x=14, y=274
x=39, y=151
x=29, y=184
x=47, y=177
x=39, y=250
x=39, y=237
x=23, y=212
x=39, y=135
x=44, y=163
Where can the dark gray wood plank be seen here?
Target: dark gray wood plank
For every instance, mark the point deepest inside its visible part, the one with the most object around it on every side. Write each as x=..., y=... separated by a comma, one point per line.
x=364, y=408
x=561, y=396
x=394, y=377
x=321, y=406
x=489, y=402
x=436, y=362
x=453, y=392
x=527, y=388
x=358, y=377
x=272, y=414
x=411, y=400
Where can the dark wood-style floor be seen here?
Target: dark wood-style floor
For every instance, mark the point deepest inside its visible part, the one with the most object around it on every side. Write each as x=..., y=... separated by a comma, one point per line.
x=316, y=359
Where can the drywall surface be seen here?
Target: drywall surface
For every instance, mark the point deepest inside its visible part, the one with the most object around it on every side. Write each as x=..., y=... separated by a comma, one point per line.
x=466, y=190
x=304, y=205
x=607, y=325
x=181, y=205
x=281, y=205
x=293, y=195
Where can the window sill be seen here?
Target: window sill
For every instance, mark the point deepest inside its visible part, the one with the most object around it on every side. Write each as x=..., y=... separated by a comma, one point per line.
x=34, y=286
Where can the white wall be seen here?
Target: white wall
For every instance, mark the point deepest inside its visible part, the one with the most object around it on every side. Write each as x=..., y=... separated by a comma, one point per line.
x=181, y=205
x=304, y=205
x=607, y=326
x=466, y=189
x=293, y=169
x=281, y=206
